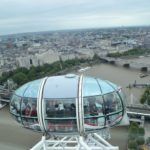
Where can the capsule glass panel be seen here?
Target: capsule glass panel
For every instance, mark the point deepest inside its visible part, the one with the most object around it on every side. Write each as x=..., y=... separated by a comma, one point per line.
x=15, y=107
x=60, y=115
x=113, y=108
x=90, y=87
x=56, y=103
x=29, y=113
x=93, y=112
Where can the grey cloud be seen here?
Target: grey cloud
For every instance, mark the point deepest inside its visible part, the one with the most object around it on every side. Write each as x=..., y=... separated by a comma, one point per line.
x=31, y=15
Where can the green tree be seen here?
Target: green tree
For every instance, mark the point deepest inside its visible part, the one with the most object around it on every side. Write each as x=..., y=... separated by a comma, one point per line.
x=140, y=140
x=141, y=131
x=96, y=57
x=32, y=74
x=145, y=98
x=133, y=132
x=22, y=75
x=148, y=99
x=134, y=124
x=22, y=69
x=132, y=145
x=20, y=78
x=132, y=52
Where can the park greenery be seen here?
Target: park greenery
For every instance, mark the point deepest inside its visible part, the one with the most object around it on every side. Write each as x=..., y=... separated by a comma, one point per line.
x=136, y=137
x=145, y=98
x=133, y=52
x=23, y=75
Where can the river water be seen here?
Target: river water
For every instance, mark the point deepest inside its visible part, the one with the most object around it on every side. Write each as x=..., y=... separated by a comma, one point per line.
x=14, y=137
x=122, y=77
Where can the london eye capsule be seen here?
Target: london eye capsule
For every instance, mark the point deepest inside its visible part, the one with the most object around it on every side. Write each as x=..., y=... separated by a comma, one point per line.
x=68, y=104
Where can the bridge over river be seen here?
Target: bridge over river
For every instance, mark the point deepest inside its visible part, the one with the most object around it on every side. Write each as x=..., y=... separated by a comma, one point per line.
x=141, y=63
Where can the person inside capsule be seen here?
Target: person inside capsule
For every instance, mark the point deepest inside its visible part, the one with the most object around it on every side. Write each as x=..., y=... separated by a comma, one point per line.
x=93, y=111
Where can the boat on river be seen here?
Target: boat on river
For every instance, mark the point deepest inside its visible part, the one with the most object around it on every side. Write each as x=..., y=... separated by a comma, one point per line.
x=2, y=105
x=142, y=75
x=83, y=69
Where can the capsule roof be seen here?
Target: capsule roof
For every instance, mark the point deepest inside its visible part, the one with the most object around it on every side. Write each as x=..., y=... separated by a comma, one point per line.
x=61, y=84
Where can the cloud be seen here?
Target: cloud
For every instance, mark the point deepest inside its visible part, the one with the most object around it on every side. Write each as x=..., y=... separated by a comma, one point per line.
x=38, y=15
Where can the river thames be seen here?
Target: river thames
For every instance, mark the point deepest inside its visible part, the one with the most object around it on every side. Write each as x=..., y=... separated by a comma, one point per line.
x=14, y=137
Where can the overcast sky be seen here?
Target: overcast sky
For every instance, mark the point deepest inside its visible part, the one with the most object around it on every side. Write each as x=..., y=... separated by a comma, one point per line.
x=41, y=15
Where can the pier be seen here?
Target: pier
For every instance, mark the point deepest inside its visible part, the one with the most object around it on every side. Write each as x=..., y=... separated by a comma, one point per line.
x=138, y=109
x=138, y=113
x=5, y=95
x=139, y=85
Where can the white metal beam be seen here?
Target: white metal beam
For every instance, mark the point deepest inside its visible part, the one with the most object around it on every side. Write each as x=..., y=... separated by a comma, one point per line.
x=39, y=105
x=91, y=142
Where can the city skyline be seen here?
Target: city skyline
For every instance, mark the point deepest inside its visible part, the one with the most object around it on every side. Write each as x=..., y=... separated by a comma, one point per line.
x=33, y=16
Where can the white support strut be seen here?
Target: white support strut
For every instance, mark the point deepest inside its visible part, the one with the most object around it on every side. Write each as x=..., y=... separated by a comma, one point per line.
x=81, y=141
x=91, y=142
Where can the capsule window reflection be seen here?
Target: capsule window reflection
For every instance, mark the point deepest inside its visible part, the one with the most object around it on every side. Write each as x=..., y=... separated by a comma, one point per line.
x=58, y=105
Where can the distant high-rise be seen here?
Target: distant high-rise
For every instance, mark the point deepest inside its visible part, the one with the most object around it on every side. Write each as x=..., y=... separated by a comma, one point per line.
x=146, y=42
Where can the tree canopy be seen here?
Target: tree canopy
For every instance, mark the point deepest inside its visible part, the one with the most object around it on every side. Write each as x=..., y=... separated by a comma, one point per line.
x=23, y=75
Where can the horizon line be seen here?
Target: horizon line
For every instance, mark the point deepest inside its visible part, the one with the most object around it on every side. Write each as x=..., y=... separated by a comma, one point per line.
x=74, y=29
